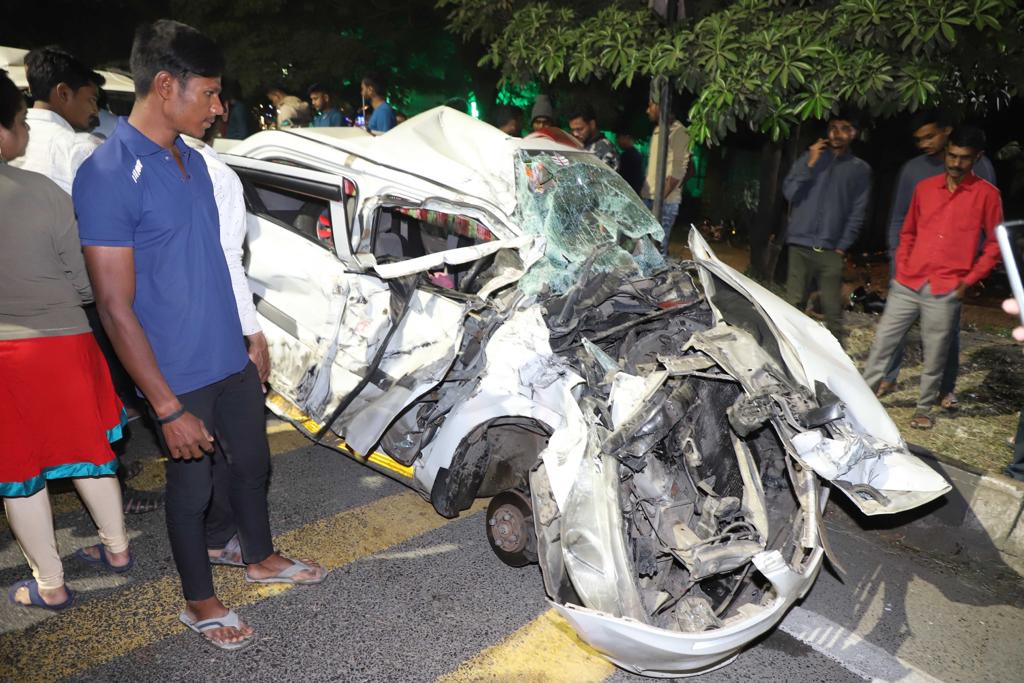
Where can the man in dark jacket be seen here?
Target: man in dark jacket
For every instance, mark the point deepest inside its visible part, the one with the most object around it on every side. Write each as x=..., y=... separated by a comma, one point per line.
x=828, y=189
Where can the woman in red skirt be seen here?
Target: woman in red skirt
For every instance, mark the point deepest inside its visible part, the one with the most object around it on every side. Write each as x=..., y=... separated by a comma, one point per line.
x=59, y=410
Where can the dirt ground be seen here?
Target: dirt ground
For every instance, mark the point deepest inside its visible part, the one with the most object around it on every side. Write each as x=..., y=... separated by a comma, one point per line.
x=990, y=387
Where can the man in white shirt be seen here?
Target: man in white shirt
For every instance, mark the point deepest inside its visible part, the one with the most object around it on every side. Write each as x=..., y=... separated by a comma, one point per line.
x=65, y=92
x=230, y=199
x=675, y=170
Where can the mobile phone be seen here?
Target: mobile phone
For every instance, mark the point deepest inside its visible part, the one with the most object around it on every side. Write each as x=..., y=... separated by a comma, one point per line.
x=1010, y=236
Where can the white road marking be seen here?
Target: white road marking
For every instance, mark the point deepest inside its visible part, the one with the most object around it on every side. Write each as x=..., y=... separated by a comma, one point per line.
x=855, y=654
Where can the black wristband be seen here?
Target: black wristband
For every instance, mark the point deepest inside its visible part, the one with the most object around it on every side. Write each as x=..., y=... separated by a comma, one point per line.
x=166, y=419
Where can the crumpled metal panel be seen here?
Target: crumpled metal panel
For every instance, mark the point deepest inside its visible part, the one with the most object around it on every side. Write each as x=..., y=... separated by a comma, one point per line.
x=417, y=358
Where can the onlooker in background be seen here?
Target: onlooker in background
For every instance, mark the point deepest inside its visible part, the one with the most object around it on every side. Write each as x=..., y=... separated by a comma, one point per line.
x=631, y=161
x=222, y=543
x=237, y=112
x=50, y=369
x=937, y=260
x=931, y=130
x=583, y=124
x=458, y=104
x=327, y=115
x=374, y=91
x=291, y=111
x=105, y=120
x=152, y=248
x=65, y=93
x=508, y=119
x=1016, y=468
x=675, y=170
x=828, y=190
x=543, y=114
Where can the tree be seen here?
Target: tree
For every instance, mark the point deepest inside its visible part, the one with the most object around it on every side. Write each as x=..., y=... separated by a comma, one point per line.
x=296, y=43
x=768, y=63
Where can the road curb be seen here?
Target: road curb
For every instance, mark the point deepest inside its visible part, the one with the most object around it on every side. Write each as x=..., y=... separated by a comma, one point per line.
x=979, y=502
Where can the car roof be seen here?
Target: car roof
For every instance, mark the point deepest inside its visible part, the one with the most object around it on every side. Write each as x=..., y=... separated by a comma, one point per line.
x=12, y=60
x=441, y=144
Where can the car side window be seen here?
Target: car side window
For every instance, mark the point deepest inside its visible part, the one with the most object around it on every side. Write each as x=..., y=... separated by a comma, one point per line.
x=302, y=212
x=403, y=233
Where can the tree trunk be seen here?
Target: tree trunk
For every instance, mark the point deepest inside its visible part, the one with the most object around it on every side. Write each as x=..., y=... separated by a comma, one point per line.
x=767, y=237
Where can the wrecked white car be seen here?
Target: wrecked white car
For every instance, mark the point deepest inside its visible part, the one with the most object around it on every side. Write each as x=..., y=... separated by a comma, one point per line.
x=481, y=316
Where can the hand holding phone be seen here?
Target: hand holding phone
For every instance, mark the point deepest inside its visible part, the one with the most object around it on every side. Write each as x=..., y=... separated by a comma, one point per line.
x=1010, y=236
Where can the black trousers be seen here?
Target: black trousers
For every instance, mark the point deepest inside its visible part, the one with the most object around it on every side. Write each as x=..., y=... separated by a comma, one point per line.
x=210, y=499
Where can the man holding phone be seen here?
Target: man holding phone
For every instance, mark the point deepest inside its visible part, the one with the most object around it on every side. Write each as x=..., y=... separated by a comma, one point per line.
x=827, y=189
x=937, y=260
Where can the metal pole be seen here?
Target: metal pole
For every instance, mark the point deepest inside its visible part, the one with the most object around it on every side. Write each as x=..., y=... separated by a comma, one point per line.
x=664, y=108
x=664, y=105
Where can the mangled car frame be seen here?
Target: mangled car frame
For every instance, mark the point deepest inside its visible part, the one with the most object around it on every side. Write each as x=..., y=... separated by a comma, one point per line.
x=481, y=316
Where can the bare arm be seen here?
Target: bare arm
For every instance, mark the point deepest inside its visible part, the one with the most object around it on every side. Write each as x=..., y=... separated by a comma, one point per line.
x=112, y=270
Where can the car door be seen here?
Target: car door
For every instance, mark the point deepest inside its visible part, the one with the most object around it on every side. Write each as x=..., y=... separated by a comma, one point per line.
x=323, y=320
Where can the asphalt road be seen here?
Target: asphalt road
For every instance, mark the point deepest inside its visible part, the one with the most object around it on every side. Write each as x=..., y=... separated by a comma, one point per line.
x=412, y=596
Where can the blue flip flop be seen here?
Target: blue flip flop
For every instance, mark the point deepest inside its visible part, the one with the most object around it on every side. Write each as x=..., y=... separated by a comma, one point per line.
x=35, y=599
x=102, y=561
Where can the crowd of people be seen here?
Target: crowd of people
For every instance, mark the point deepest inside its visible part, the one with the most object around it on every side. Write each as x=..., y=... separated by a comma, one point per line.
x=149, y=225
x=941, y=240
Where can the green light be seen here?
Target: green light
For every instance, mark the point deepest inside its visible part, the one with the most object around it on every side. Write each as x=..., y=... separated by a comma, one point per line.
x=474, y=109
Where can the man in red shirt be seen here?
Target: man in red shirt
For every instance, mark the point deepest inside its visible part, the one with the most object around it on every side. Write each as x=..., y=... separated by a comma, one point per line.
x=937, y=260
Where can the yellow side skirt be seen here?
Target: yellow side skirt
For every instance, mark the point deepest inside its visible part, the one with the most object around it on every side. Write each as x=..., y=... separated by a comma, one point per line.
x=289, y=411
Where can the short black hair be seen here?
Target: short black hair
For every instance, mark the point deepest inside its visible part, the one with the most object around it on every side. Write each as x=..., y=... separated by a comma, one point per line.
x=458, y=104
x=317, y=87
x=942, y=118
x=850, y=115
x=11, y=100
x=506, y=113
x=179, y=49
x=47, y=67
x=376, y=81
x=585, y=112
x=968, y=136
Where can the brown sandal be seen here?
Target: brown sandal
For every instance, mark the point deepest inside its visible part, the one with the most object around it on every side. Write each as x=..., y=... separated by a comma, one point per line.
x=885, y=387
x=921, y=421
x=949, y=402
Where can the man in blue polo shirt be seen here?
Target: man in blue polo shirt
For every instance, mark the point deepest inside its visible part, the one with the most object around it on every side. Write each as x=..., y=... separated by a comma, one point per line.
x=150, y=232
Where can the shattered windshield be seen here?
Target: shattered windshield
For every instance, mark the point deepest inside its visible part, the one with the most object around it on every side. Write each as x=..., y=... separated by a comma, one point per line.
x=580, y=206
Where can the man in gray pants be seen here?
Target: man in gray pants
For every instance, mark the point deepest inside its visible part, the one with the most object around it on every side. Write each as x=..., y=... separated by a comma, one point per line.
x=935, y=264
x=931, y=130
x=827, y=189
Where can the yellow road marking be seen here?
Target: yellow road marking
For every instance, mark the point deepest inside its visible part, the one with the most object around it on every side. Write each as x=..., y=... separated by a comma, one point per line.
x=100, y=630
x=546, y=650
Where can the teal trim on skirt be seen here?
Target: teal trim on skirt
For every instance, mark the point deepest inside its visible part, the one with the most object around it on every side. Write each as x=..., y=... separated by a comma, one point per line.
x=30, y=487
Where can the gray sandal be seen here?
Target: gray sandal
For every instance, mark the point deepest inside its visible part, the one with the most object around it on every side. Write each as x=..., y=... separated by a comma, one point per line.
x=229, y=620
x=233, y=549
x=288, y=575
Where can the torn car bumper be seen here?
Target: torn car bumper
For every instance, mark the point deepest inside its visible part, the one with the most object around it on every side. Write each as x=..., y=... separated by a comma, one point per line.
x=661, y=653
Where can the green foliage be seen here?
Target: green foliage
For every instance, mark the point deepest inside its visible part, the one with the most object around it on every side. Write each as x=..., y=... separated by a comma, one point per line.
x=767, y=63
x=295, y=43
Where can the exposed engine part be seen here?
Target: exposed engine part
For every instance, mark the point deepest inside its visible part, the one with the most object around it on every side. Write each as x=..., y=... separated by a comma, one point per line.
x=510, y=529
x=694, y=614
